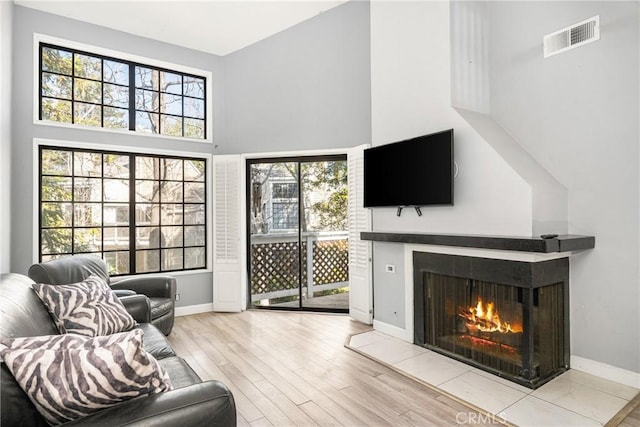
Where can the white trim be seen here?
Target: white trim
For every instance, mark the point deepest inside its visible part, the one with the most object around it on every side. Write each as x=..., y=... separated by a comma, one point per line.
x=194, y=309
x=391, y=330
x=207, y=75
x=301, y=153
x=37, y=142
x=603, y=370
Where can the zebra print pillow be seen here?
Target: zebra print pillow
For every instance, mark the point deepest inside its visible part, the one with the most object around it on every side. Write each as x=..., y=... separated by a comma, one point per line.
x=88, y=308
x=69, y=376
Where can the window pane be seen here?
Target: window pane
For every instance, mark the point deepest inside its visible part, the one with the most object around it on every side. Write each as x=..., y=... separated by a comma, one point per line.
x=147, y=261
x=116, y=96
x=55, y=188
x=194, y=236
x=56, y=214
x=116, y=72
x=116, y=238
x=194, y=192
x=147, y=214
x=115, y=166
x=56, y=60
x=117, y=262
x=87, y=114
x=148, y=238
x=147, y=100
x=146, y=78
x=116, y=214
x=147, y=122
x=172, y=259
x=194, y=214
x=171, y=83
x=116, y=190
x=87, y=240
x=172, y=237
x=171, y=125
x=194, y=108
x=171, y=169
x=87, y=164
x=56, y=241
x=194, y=128
x=171, y=192
x=87, y=214
x=194, y=170
x=116, y=118
x=147, y=167
x=171, y=214
x=87, y=190
x=87, y=90
x=147, y=191
x=56, y=111
x=56, y=86
x=194, y=258
x=170, y=104
x=89, y=67
x=56, y=162
x=194, y=87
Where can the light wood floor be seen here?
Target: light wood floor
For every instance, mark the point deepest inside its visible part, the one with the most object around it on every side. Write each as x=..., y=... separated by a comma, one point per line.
x=292, y=369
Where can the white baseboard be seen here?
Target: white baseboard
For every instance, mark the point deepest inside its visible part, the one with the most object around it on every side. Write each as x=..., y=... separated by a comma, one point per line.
x=394, y=331
x=605, y=371
x=193, y=309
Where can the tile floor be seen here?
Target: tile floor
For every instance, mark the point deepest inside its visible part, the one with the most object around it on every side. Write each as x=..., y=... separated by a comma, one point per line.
x=572, y=399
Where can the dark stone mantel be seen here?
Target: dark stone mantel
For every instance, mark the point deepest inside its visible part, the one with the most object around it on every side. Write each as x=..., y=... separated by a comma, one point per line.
x=561, y=243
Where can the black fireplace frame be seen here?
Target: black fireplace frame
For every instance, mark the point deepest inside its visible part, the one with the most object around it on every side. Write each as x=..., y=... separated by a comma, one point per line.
x=523, y=274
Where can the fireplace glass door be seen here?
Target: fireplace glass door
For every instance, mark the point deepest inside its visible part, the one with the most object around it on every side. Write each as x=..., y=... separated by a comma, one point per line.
x=508, y=330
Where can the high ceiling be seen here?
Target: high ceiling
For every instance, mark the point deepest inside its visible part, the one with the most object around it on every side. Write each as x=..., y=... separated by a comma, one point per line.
x=215, y=26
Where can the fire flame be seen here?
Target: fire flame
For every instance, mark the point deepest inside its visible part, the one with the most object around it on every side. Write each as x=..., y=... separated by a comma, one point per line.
x=486, y=319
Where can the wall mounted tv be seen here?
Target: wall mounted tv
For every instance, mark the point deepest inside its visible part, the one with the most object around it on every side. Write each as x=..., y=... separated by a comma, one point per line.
x=415, y=172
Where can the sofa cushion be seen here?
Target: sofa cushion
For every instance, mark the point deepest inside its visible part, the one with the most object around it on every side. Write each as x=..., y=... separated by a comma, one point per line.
x=69, y=376
x=180, y=372
x=86, y=308
x=155, y=343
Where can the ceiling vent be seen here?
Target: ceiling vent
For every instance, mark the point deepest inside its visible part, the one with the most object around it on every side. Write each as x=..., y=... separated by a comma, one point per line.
x=571, y=37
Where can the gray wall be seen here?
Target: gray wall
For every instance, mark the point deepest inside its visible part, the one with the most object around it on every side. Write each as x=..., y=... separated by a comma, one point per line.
x=306, y=88
x=577, y=114
x=194, y=288
x=6, y=18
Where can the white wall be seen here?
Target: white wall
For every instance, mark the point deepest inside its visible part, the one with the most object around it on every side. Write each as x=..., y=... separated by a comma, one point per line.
x=410, y=96
x=6, y=37
x=578, y=114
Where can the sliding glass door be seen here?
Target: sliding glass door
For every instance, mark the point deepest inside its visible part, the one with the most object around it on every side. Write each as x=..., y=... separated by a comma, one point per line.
x=298, y=247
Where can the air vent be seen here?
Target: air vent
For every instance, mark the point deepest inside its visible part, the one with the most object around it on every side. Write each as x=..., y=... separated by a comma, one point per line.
x=571, y=37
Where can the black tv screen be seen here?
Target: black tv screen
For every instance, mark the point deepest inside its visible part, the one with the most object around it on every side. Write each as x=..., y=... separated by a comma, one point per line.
x=414, y=172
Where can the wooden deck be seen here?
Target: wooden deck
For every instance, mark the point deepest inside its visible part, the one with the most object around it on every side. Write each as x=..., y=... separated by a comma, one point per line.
x=292, y=369
x=336, y=301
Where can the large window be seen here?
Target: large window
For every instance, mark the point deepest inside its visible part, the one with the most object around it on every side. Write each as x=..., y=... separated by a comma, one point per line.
x=141, y=213
x=87, y=89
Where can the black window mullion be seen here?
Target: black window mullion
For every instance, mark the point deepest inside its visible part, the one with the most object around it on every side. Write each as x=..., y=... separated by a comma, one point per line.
x=132, y=214
x=73, y=87
x=132, y=97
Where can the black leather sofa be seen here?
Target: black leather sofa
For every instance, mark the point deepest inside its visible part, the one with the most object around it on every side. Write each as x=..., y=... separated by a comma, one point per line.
x=160, y=289
x=192, y=402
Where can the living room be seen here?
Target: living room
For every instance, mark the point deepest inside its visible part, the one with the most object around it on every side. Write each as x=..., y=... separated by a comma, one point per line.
x=543, y=145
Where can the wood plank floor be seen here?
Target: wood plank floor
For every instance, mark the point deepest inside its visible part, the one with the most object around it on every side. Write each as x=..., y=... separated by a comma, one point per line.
x=292, y=369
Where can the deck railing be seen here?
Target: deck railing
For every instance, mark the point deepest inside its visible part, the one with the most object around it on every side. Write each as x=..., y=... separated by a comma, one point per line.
x=275, y=270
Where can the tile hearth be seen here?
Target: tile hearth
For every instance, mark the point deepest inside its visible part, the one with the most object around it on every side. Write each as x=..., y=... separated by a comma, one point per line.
x=572, y=399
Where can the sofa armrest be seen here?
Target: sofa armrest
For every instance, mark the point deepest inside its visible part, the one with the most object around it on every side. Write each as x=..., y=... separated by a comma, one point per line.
x=138, y=307
x=123, y=292
x=206, y=404
x=151, y=286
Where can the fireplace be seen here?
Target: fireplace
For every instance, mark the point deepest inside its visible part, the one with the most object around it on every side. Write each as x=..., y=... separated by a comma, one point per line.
x=506, y=317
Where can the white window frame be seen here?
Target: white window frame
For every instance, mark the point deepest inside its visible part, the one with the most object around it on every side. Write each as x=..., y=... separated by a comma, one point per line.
x=42, y=38
x=38, y=142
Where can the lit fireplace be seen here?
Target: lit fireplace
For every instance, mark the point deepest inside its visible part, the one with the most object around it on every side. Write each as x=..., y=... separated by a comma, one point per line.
x=505, y=317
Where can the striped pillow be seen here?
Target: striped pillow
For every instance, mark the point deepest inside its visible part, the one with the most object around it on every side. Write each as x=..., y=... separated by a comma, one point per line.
x=69, y=376
x=88, y=308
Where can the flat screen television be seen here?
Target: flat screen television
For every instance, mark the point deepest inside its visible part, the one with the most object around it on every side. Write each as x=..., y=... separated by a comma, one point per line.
x=415, y=172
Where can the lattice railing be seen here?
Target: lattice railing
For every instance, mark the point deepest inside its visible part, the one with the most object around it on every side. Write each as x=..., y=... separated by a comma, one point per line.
x=275, y=266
